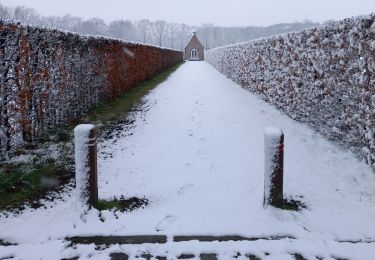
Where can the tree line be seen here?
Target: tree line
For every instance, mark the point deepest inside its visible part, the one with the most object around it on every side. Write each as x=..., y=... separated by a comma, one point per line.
x=158, y=33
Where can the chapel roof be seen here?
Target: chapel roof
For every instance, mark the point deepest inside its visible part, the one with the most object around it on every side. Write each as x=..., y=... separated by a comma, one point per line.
x=194, y=41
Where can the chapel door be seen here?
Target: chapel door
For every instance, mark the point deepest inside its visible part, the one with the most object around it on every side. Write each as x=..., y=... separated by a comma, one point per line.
x=194, y=54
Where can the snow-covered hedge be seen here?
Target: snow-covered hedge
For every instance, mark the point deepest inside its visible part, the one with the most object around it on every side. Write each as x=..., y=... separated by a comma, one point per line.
x=49, y=77
x=324, y=76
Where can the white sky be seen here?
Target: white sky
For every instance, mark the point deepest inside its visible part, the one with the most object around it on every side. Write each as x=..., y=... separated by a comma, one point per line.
x=196, y=12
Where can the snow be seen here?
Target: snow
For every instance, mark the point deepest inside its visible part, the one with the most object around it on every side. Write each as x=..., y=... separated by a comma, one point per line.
x=273, y=132
x=197, y=155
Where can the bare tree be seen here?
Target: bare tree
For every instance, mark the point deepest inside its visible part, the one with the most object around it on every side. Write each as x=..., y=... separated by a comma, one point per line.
x=206, y=32
x=94, y=26
x=71, y=23
x=184, y=34
x=171, y=29
x=143, y=27
x=51, y=21
x=75, y=23
x=122, y=29
x=4, y=12
x=159, y=29
x=25, y=15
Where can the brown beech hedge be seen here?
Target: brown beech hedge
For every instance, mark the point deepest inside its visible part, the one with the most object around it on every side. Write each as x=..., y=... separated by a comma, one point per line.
x=49, y=77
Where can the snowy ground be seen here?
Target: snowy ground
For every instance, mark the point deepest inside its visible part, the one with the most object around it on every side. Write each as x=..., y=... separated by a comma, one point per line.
x=197, y=154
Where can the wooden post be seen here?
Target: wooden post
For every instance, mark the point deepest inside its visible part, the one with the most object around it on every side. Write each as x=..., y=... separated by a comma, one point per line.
x=273, y=167
x=86, y=164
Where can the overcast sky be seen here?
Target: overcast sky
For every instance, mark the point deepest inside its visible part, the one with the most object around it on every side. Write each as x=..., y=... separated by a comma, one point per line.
x=196, y=12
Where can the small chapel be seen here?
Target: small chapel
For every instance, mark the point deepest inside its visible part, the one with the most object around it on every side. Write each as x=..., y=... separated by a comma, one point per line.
x=194, y=50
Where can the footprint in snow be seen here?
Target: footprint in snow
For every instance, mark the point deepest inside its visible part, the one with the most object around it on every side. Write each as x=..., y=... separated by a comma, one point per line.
x=202, y=152
x=190, y=132
x=212, y=167
x=202, y=140
x=184, y=188
x=165, y=223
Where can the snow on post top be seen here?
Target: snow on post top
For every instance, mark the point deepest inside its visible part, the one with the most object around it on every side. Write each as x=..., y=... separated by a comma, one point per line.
x=83, y=127
x=81, y=132
x=273, y=132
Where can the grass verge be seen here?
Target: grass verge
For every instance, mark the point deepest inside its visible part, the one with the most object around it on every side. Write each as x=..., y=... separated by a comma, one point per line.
x=125, y=103
x=122, y=204
x=21, y=183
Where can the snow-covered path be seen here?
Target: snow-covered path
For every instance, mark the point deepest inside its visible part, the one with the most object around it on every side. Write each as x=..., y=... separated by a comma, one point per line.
x=197, y=155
